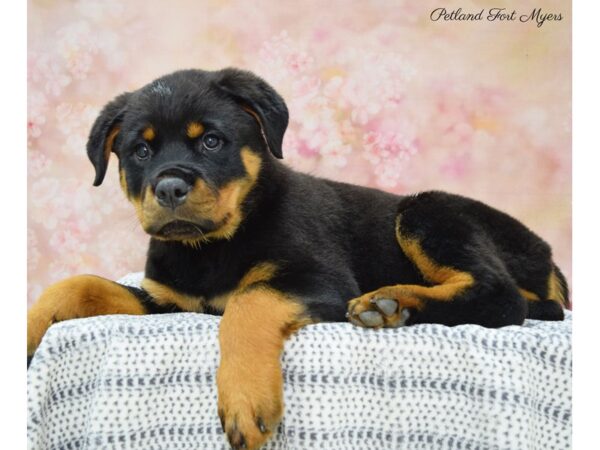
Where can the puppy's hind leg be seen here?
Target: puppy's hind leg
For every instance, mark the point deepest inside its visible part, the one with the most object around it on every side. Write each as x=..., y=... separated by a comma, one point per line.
x=464, y=279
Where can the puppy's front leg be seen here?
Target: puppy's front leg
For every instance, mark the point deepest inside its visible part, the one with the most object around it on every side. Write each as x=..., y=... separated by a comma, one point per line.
x=254, y=326
x=82, y=296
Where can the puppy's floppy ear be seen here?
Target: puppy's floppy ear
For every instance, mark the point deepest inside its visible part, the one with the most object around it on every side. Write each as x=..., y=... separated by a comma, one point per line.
x=261, y=101
x=104, y=132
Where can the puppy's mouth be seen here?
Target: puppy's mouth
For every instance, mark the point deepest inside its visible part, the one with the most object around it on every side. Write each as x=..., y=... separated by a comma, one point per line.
x=183, y=229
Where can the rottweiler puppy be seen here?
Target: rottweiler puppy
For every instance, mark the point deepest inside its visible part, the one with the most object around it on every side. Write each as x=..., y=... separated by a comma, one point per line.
x=235, y=232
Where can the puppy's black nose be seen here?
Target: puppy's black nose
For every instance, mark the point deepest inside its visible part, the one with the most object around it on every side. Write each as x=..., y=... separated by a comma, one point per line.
x=171, y=192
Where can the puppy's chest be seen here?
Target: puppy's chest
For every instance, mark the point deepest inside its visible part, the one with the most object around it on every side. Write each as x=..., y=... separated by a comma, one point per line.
x=202, y=284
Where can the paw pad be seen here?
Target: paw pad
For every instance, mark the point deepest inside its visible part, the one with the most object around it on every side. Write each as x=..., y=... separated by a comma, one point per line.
x=387, y=306
x=371, y=319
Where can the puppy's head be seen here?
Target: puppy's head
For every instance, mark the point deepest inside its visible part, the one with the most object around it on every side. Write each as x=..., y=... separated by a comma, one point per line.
x=191, y=146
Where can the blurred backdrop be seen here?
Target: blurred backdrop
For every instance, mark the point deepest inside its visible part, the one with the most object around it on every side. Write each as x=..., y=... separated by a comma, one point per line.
x=378, y=95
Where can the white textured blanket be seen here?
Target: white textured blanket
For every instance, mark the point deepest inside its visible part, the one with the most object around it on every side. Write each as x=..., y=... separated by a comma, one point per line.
x=149, y=383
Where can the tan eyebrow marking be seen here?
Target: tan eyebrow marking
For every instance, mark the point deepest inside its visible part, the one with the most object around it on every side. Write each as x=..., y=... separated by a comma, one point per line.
x=194, y=129
x=149, y=133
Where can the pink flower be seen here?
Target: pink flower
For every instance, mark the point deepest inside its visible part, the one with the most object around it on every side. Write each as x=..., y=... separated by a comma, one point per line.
x=50, y=72
x=69, y=237
x=79, y=65
x=77, y=44
x=37, y=163
x=280, y=52
x=388, y=152
x=74, y=121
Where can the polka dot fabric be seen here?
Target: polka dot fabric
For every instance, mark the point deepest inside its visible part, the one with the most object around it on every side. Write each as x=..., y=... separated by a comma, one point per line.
x=148, y=383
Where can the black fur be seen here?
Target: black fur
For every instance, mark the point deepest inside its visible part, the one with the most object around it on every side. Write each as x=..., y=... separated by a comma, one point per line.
x=330, y=241
x=253, y=92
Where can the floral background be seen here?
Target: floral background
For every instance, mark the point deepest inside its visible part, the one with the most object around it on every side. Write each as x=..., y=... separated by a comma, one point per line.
x=378, y=95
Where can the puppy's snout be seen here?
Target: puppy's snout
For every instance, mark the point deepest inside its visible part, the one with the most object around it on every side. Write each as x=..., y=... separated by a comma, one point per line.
x=171, y=191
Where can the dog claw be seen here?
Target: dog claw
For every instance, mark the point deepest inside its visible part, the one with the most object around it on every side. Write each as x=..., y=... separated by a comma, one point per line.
x=405, y=315
x=371, y=319
x=387, y=306
x=261, y=426
x=239, y=443
x=222, y=420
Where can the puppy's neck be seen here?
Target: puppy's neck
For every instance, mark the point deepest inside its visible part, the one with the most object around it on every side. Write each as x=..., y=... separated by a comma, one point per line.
x=267, y=193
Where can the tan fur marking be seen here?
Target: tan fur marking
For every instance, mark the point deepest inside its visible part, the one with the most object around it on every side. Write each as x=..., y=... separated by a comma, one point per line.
x=449, y=281
x=123, y=182
x=234, y=193
x=219, y=303
x=138, y=204
x=80, y=296
x=194, y=129
x=555, y=291
x=149, y=134
x=528, y=295
x=227, y=210
x=110, y=140
x=165, y=295
x=442, y=292
x=430, y=270
x=249, y=380
x=260, y=273
x=201, y=199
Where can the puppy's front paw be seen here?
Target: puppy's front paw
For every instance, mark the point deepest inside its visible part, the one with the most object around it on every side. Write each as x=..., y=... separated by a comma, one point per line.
x=250, y=404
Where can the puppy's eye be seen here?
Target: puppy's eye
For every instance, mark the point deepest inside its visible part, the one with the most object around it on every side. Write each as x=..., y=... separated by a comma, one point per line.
x=212, y=142
x=142, y=152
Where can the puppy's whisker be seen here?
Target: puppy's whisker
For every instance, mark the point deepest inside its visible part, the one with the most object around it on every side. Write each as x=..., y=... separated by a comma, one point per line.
x=198, y=229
